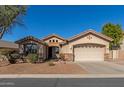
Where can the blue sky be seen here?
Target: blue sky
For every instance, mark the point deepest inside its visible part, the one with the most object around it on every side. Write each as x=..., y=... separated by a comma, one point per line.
x=65, y=21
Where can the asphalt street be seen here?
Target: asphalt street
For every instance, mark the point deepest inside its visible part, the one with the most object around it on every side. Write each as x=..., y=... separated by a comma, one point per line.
x=62, y=82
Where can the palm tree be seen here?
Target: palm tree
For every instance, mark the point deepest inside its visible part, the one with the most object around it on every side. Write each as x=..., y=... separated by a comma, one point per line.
x=10, y=16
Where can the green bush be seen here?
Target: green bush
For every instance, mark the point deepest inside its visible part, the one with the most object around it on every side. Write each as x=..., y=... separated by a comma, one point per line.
x=32, y=58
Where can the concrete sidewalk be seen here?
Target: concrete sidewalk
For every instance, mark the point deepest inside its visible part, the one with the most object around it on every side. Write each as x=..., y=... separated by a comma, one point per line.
x=62, y=76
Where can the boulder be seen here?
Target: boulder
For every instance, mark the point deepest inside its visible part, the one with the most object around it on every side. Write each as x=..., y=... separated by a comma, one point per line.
x=19, y=61
x=4, y=61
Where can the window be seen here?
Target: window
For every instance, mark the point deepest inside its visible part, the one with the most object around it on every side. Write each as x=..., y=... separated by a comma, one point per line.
x=53, y=40
x=30, y=48
x=49, y=40
x=56, y=40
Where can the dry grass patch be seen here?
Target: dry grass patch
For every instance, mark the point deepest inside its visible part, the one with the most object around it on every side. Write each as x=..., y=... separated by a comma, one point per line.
x=44, y=68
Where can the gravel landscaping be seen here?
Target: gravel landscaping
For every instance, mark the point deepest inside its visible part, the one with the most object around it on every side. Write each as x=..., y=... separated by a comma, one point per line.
x=43, y=68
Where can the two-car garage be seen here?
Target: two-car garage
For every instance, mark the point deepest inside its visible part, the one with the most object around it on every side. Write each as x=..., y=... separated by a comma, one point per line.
x=89, y=52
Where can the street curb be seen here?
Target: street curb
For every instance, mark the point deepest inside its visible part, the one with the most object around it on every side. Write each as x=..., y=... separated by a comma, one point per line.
x=62, y=76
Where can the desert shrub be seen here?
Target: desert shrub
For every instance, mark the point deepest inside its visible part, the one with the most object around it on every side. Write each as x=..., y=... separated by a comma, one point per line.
x=12, y=61
x=32, y=58
x=10, y=54
x=51, y=64
x=7, y=51
x=13, y=56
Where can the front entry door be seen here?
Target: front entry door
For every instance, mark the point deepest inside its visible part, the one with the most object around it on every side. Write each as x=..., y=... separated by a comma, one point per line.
x=53, y=51
x=50, y=52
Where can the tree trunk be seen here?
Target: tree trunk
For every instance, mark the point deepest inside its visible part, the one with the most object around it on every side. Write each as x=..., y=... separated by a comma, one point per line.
x=2, y=33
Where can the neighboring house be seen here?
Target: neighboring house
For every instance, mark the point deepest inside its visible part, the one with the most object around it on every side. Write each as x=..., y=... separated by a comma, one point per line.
x=8, y=45
x=86, y=46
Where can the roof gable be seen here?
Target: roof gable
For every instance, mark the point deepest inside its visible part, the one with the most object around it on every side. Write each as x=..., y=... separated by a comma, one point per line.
x=28, y=38
x=90, y=31
x=51, y=36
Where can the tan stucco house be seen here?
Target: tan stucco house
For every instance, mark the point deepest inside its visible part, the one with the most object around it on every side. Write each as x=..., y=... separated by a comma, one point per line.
x=86, y=46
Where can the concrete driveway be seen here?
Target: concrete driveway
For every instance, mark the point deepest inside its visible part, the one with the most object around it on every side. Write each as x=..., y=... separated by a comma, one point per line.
x=102, y=67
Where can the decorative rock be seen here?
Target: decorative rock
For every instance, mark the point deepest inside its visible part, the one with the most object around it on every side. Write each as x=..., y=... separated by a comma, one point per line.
x=4, y=61
x=27, y=60
x=19, y=61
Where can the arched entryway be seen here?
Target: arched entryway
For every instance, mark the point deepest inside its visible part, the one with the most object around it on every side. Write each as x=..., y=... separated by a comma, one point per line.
x=89, y=52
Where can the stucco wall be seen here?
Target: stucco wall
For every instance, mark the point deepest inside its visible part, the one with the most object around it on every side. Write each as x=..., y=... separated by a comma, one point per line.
x=54, y=38
x=86, y=39
x=121, y=55
x=122, y=46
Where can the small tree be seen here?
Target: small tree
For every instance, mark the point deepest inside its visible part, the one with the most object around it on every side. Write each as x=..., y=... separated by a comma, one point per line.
x=10, y=16
x=115, y=32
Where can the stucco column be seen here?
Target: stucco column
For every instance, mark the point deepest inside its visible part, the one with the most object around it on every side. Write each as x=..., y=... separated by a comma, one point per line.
x=40, y=51
x=115, y=54
x=21, y=49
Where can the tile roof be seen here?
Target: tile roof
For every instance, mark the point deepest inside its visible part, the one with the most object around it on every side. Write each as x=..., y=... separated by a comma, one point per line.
x=52, y=35
x=28, y=38
x=93, y=32
x=6, y=44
